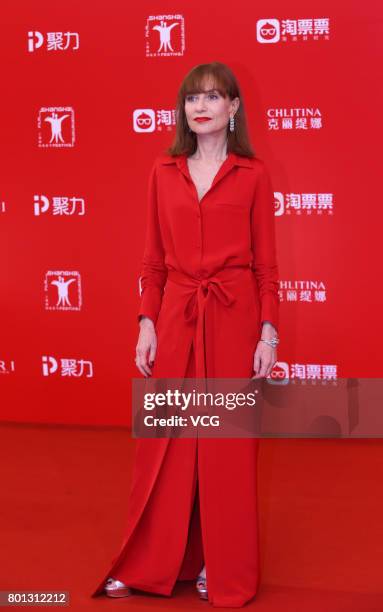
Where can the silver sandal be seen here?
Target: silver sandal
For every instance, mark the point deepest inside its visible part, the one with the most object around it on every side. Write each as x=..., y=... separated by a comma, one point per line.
x=201, y=586
x=116, y=588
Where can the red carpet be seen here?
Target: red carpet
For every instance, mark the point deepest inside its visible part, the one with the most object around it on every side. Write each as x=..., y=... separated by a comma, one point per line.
x=321, y=506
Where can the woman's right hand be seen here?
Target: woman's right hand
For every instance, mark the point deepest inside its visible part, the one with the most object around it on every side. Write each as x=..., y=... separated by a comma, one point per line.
x=146, y=346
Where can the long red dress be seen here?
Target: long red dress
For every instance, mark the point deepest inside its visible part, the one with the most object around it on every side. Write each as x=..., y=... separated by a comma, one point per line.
x=209, y=280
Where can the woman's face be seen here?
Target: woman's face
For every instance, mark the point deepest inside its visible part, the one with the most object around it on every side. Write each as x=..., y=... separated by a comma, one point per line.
x=209, y=112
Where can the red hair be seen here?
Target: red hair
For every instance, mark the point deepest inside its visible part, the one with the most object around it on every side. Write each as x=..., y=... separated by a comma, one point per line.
x=224, y=81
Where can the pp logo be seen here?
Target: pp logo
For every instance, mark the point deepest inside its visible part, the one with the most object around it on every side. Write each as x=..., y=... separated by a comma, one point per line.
x=35, y=41
x=41, y=204
x=49, y=364
x=268, y=30
x=279, y=374
x=279, y=203
x=144, y=120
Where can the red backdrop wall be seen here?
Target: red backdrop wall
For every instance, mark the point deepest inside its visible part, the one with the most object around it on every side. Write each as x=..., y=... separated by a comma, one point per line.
x=87, y=102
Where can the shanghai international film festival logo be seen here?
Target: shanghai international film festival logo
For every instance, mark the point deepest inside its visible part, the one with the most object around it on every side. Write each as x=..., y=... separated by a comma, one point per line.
x=62, y=290
x=292, y=30
x=55, y=126
x=165, y=35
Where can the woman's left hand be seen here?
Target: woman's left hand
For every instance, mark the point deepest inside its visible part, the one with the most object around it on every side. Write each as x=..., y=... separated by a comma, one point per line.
x=265, y=355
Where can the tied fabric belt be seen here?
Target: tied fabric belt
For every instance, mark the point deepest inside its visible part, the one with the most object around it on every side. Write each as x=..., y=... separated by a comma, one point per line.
x=198, y=298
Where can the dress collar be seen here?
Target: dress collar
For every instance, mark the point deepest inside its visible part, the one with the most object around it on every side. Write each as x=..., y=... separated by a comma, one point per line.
x=232, y=160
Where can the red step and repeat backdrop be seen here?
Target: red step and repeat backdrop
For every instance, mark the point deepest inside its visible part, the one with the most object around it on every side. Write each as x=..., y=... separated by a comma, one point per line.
x=87, y=102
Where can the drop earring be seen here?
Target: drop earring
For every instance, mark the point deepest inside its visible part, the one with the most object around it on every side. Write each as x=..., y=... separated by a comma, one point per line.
x=231, y=123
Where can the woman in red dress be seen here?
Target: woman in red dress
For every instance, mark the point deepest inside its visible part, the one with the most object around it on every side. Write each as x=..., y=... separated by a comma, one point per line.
x=209, y=308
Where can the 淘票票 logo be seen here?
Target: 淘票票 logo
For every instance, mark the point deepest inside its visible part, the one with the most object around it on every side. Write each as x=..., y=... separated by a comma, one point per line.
x=303, y=203
x=150, y=120
x=292, y=30
x=284, y=373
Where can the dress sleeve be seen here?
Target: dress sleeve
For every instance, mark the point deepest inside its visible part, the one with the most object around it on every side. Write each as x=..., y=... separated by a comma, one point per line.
x=264, y=263
x=153, y=272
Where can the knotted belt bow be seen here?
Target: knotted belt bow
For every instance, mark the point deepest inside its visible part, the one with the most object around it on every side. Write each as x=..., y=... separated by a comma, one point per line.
x=202, y=291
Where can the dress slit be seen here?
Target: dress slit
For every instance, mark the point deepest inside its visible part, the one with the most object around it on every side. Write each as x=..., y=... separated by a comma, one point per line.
x=166, y=542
